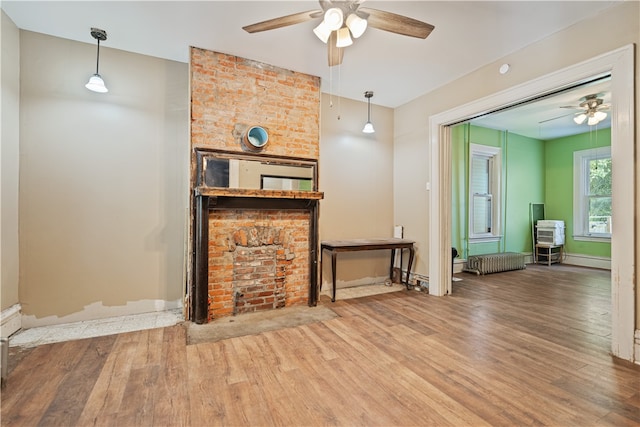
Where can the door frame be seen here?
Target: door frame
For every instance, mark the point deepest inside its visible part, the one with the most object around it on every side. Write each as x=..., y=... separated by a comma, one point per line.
x=620, y=64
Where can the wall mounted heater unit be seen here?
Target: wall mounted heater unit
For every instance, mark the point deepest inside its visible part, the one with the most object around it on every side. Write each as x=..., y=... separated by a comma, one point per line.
x=550, y=232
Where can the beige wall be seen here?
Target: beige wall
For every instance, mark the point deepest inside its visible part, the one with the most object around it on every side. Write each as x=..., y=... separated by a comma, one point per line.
x=356, y=175
x=9, y=155
x=103, y=182
x=617, y=27
x=104, y=178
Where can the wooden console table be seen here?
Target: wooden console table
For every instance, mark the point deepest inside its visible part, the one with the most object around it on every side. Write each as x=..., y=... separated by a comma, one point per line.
x=335, y=246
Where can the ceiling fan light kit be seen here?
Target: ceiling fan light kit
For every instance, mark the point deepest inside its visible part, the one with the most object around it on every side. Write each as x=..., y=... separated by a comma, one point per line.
x=591, y=105
x=337, y=32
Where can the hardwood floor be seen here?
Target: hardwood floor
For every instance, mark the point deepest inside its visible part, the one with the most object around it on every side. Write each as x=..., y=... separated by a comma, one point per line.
x=528, y=347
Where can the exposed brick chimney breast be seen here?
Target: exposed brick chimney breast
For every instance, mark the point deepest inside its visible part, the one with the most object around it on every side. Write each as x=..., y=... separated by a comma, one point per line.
x=258, y=259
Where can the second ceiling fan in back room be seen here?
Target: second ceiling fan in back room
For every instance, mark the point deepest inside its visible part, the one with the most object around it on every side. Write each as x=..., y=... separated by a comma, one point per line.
x=342, y=20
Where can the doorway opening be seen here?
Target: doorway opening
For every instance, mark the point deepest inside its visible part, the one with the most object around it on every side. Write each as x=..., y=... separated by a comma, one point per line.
x=619, y=64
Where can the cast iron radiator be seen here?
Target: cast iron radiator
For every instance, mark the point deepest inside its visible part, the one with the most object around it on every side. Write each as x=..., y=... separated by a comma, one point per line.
x=495, y=263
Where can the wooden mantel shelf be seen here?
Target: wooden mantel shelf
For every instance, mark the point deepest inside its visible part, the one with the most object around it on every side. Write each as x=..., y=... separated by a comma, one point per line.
x=265, y=194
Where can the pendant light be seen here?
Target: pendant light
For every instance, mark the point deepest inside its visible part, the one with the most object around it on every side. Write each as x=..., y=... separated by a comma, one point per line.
x=368, y=127
x=96, y=84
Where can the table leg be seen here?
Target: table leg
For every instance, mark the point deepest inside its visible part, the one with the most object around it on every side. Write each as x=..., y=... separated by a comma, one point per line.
x=333, y=275
x=393, y=258
x=409, y=263
x=321, y=268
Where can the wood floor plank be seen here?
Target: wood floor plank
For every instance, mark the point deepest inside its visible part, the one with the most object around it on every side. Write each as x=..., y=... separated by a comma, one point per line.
x=73, y=392
x=171, y=398
x=525, y=348
x=30, y=407
x=205, y=406
x=106, y=397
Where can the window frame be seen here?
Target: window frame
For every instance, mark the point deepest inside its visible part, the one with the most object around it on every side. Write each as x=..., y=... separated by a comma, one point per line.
x=581, y=197
x=495, y=190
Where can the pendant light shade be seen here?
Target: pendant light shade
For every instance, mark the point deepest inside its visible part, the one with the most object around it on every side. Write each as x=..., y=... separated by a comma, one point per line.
x=344, y=39
x=96, y=84
x=368, y=127
x=600, y=116
x=580, y=118
x=322, y=31
x=333, y=18
x=356, y=25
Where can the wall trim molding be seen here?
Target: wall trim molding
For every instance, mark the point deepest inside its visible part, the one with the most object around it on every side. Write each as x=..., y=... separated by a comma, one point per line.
x=97, y=310
x=10, y=320
x=591, y=261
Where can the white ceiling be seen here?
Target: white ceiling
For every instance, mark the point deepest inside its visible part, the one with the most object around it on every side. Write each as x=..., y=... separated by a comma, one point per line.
x=548, y=118
x=397, y=68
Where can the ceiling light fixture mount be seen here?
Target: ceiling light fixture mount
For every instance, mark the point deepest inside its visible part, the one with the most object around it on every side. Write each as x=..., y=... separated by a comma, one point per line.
x=96, y=84
x=368, y=127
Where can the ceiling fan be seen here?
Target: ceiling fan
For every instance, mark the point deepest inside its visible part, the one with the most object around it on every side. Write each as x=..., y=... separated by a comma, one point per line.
x=591, y=107
x=343, y=20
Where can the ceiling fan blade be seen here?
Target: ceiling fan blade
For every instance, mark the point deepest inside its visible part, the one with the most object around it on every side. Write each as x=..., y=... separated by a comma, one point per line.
x=283, y=21
x=335, y=54
x=397, y=24
x=555, y=118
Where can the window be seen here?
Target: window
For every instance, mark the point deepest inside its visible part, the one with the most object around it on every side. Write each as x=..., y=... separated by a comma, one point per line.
x=592, y=194
x=485, y=167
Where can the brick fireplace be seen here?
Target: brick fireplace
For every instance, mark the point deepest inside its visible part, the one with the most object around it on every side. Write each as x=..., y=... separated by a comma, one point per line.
x=253, y=248
x=258, y=260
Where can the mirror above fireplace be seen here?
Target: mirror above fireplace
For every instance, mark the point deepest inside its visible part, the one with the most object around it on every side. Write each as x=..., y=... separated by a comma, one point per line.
x=224, y=169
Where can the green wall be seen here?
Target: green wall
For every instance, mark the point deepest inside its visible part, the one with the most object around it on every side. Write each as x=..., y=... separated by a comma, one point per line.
x=523, y=170
x=536, y=171
x=559, y=186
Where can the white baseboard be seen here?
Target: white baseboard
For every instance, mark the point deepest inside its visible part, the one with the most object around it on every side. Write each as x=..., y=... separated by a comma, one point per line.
x=588, y=261
x=97, y=311
x=459, y=265
x=10, y=320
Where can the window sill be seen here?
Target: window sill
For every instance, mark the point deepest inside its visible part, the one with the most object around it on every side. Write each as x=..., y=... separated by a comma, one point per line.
x=592, y=239
x=487, y=239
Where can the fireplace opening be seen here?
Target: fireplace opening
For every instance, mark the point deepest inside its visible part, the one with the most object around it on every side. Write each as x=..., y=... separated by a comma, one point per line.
x=258, y=260
x=260, y=264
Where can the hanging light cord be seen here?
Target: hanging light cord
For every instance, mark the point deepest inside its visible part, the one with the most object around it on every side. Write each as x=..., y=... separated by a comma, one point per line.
x=98, y=57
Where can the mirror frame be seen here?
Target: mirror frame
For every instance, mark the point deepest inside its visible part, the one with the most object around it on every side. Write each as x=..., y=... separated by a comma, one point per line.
x=203, y=155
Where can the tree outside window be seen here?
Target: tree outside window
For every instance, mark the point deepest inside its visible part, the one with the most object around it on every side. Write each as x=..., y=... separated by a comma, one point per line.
x=592, y=194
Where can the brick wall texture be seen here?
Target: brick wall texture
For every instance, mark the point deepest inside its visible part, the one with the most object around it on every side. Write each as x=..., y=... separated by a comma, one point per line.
x=229, y=93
